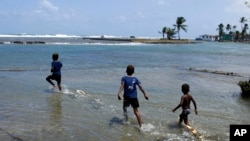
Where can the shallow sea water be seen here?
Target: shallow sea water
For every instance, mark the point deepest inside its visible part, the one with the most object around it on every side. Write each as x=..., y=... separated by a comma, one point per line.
x=31, y=111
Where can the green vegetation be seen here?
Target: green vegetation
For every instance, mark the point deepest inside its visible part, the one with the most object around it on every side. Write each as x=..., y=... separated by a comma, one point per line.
x=180, y=25
x=170, y=32
x=236, y=35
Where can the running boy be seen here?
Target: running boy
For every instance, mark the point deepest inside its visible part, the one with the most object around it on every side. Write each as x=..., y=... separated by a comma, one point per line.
x=185, y=104
x=56, y=72
x=128, y=84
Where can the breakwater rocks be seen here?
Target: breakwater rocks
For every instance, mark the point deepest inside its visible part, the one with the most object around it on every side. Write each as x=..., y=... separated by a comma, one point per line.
x=244, y=85
x=214, y=72
x=27, y=42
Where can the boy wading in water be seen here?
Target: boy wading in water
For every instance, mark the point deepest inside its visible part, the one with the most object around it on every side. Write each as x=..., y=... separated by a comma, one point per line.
x=56, y=72
x=128, y=84
x=185, y=104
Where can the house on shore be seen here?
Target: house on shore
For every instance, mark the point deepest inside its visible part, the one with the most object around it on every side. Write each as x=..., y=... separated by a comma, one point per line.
x=227, y=37
x=207, y=37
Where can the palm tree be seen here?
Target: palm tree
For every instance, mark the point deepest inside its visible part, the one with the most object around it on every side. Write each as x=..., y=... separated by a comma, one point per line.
x=237, y=35
x=242, y=21
x=179, y=25
x=170, y=33
x=164, y=30
x=244, y=31
x=221, y=30
x=228, y=28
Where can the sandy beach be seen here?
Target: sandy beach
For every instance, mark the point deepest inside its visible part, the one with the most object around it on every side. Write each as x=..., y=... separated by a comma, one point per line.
x=164, y=41
x=139, y=40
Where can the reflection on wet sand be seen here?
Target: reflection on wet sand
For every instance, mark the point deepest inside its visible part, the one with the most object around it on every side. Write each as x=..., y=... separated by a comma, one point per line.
x=55, y=109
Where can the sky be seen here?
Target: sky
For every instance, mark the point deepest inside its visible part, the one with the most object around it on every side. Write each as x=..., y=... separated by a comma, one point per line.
x=139, y=18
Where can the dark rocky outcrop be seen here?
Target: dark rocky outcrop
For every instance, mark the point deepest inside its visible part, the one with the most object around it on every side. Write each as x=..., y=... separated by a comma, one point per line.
x=245, y=88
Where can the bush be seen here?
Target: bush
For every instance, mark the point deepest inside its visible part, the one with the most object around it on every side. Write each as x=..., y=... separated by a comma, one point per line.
x=245, y=88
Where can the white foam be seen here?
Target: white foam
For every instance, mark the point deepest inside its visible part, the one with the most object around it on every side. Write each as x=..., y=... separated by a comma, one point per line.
x=67, y=91
x=147, y=127
x=80, y=92
x=39, y=35
x=54, y=89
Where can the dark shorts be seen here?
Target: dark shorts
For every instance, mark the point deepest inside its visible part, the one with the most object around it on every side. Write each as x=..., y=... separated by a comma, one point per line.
x=131, y=101
x=55, y=77
x=185, y=113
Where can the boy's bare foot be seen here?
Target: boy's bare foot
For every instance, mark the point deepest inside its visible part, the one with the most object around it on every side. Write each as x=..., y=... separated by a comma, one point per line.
x=53, y=87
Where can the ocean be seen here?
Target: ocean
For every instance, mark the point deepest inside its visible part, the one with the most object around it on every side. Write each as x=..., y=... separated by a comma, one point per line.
x=31, y=111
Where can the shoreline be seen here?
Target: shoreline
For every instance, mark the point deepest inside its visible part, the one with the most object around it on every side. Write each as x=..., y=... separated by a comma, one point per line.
x=102, y=39
x=139, y=40
x=165, y=41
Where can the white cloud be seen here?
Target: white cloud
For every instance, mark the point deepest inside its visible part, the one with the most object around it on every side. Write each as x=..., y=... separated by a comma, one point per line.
x=238, y=7
x=122, y=18
x=48, y=6
x=247, y=3
x=162, y=2
x=140, y=14
x=49, y=11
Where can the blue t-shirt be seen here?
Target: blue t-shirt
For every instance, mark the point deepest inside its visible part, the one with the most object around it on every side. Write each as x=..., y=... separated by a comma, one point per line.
x=130, y=86
x=56, y=67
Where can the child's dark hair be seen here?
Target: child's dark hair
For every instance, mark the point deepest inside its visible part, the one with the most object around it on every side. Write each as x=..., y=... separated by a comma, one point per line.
x=185, y=88
x=55, y=56
x=130, y=69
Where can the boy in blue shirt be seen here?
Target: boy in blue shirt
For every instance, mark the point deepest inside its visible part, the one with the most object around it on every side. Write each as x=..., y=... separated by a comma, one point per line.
x=56, y=72
x=128, y=84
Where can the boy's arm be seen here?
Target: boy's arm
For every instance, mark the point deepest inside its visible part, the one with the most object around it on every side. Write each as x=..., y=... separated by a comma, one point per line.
x=178, y=105
x=195, y=107
x=176, y=108
x=143, y=91
x=52, y=67
x=120, y=90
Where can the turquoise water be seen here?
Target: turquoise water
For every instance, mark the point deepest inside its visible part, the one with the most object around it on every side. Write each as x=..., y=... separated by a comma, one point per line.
x=29, y=110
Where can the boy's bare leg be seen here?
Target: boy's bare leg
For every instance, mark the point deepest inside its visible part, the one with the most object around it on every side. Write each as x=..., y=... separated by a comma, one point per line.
x=49, y=80
x=180, y=120
x=60, y=88
x=186, y=121
x=138, y=116
x=53, y=87
x=125, y=113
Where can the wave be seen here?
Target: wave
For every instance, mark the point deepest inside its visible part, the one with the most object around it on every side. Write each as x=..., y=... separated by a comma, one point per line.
x=20, y=70
x=39, y=35
x=69, y=36
x=58, y=35
x=65, y=39
x=13, y=70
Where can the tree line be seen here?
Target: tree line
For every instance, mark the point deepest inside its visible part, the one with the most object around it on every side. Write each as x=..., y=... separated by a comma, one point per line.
x=238, y=35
